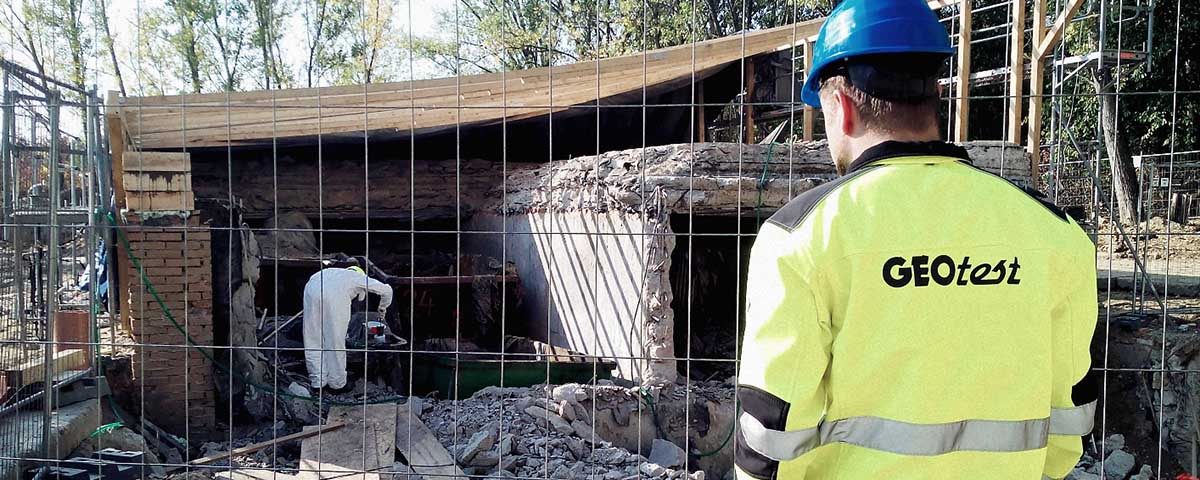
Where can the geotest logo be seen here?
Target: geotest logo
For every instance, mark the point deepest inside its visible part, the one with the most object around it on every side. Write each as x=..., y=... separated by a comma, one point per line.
x=944, y=270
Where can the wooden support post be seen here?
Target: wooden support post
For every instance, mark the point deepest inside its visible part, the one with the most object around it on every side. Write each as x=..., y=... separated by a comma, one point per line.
x=1016, y=72
x=700, y=122
x=1051, y=38
x=116, y=145
x=748, y=100
x=809, y=111
x=1037, y=79
x=963, y=87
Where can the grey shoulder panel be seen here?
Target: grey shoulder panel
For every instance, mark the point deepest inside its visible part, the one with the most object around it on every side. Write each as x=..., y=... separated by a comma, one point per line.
x=791, y=215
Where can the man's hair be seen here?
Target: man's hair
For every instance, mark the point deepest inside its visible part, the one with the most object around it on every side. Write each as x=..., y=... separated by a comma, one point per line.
x=885, y=116
x=907, y=99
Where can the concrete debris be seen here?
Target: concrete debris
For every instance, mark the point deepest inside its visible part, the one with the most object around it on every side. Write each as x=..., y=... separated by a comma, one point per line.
x=481, y=442
x=1117, y=465
x=667, y=454
x=1146, y=473
x=1115, y=441
x=543, y=432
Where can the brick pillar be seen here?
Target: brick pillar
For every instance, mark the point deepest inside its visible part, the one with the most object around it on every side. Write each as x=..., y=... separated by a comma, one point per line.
x=174, y=250
x=175, y=255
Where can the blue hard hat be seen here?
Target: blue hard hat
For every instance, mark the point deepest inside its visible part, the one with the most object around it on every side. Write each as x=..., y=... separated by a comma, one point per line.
x=866, y=27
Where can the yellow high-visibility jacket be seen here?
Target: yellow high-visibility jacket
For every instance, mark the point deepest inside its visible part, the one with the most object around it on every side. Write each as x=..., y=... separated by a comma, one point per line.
x=918, y=318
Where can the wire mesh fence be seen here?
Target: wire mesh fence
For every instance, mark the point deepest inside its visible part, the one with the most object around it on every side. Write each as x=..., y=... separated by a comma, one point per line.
x=551, y=238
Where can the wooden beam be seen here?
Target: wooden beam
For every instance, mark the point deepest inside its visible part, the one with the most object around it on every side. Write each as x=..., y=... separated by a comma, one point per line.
x=158, y=162
x=748, y=99
x=116, y=145
x=254, y=447
x=1055, y=35
x=809, y=111
x=34, y=370
x=1016, y=68
x=963, y=87
x=701, y=124
x=424, y=452
x=1037, y=79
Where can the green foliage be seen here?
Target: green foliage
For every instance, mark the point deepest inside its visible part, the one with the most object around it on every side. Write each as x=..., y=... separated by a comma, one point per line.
x=495, y=35
x=1148, y=105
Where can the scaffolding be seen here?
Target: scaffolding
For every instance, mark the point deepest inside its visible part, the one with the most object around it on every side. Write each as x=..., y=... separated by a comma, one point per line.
x=53, y=175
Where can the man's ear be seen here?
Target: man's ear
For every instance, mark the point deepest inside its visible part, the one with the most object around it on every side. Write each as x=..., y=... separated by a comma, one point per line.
x=847, y=114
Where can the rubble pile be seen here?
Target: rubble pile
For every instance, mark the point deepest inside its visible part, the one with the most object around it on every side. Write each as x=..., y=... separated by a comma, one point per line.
x=1117, y=464
x=549, y=432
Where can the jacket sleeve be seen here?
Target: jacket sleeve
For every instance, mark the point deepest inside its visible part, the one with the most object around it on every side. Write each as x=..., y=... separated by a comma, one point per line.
x=1074, y=392
x=785, y=352
x=382, y=289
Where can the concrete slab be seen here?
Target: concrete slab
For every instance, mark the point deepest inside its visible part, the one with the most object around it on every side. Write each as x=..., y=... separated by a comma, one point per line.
x=21, y=434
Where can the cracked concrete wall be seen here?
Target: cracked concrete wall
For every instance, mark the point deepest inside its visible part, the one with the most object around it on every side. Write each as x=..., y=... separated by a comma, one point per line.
x=592, y=242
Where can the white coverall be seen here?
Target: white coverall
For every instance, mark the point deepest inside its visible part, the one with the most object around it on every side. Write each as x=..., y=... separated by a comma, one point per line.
x=327, y=298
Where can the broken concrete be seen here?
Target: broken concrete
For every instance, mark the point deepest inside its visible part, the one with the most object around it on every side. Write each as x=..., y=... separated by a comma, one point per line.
x=593, y=233
x=21, y=434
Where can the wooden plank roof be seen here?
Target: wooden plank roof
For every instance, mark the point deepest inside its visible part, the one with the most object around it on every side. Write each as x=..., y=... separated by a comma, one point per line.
x=402, y=108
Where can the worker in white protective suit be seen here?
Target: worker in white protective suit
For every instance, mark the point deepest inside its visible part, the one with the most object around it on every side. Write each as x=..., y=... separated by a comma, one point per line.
x=327, y=299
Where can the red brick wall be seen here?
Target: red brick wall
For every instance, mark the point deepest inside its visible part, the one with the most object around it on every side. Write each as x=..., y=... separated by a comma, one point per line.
x=175, y=255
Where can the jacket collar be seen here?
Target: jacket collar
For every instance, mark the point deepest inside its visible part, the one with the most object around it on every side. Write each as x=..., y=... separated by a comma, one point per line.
x=893, y=149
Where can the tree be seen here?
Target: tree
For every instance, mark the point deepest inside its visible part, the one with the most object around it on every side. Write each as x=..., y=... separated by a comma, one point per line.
x=227, y=23
x=109, y=44
x=326, y=23
x=374, y=34
x=186, y=40
x=268, y=21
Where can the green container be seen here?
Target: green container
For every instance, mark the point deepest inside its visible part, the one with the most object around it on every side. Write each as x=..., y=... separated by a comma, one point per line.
x=441, y=372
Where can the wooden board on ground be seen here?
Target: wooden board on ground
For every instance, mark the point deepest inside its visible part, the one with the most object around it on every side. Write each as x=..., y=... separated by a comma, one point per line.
x=157, y=162
x=252, y=474
x=361, y=450
x=424, y=452
x=309, y=432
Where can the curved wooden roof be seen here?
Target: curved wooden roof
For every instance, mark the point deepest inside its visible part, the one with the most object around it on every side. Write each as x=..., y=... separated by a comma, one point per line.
x=403, y=108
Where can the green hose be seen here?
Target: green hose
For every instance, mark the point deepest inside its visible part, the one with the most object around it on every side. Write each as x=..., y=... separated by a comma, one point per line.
x=654, y=416
x=192, y=342
x=762, y=185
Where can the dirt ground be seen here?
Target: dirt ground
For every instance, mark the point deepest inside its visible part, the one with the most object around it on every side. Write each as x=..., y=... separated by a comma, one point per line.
x=1156, y=240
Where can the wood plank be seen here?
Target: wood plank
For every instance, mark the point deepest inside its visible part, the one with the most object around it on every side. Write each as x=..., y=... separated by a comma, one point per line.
x=158, y=181
x=1037, y=79
x=34, y=370
x=629, y=68
x=116, y=145
x=1055, y=34
x=157, y=162
x=322, y=429
x=247, y=118
x=424, y=452
x=962, y=93
x=748, y=99
x=160, y=201
x=1016, y=79
x=361, y=450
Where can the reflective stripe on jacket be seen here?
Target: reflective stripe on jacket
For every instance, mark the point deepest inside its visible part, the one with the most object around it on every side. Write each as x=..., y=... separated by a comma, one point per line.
x=918, y=318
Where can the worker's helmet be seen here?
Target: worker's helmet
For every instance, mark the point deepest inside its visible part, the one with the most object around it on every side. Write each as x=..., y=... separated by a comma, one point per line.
x=858, y=28
x=356, y=269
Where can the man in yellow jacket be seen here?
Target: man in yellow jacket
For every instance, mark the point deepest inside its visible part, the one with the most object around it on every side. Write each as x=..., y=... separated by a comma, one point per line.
x=917, y=318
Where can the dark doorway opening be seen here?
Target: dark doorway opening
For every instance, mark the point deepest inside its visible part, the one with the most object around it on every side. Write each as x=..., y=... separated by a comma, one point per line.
x=708, y=281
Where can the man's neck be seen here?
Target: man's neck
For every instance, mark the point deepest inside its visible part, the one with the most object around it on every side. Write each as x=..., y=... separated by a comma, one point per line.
x=860, y=144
